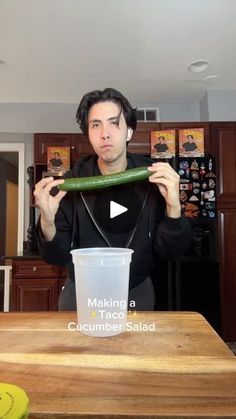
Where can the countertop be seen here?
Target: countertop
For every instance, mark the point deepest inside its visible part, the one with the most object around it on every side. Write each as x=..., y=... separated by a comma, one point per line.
x=181, y=368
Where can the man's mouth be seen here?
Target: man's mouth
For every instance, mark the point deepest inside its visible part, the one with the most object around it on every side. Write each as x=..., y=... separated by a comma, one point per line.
x=106, y=146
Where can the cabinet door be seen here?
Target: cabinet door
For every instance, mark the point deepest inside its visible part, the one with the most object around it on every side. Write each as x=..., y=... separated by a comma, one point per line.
x=224, y=147
x=35, y=285
x=80, y=146
x=223, y=139
x=197, y=288
x=227, y=233
x=34, y=269
x=140, y=141
x=42, y=141
x=34, y=294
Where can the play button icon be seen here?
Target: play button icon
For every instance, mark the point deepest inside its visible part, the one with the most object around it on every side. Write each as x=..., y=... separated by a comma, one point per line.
x=116, y=209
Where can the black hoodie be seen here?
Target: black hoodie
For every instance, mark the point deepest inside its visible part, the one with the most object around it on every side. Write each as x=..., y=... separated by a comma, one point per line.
x=78, y=226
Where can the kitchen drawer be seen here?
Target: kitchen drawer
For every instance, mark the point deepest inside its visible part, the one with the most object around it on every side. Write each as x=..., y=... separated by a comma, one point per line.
x=34, y=269
x=34, y=294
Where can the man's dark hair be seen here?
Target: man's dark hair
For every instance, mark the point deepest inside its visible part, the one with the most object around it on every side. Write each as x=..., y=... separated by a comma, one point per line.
x=107, y=95
x=190, y=136
x=161, y=138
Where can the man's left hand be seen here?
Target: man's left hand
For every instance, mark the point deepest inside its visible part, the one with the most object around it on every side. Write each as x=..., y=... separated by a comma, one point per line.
x=167, y=181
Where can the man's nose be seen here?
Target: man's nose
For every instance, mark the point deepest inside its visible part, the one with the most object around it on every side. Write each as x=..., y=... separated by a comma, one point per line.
x=105, y=133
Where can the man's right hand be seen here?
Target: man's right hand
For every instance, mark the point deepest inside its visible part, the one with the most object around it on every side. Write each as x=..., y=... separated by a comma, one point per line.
x=48, y=204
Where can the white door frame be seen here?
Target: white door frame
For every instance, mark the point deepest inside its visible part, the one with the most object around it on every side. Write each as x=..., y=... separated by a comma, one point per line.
x=20, y=149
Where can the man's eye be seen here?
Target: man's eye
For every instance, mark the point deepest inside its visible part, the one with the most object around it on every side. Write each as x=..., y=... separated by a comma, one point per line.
x=95, y=125
x=116, y=123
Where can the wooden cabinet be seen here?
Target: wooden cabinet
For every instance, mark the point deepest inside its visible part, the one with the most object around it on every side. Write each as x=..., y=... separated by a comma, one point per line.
x=140, y=141
x=223, y=143
x=187, y=125
x=42, y=141
x=220, y=140
x=78, y=144
x=35, y=285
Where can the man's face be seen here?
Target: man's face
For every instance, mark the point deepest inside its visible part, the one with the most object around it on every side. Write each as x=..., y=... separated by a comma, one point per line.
x=107, y=131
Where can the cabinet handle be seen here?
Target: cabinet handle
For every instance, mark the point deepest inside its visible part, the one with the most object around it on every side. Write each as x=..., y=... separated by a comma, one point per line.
x=34, y=268
x=72, y=147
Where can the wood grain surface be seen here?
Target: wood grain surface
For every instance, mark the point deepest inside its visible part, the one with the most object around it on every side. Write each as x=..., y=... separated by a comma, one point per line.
x=182, y=369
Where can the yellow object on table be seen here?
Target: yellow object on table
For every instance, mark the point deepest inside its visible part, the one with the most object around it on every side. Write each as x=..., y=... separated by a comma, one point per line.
x=13, y=402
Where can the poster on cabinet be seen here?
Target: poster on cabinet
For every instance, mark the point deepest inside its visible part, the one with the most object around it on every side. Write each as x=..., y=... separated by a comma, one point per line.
x=191, y=142
x=163, y=144
x=58, y=160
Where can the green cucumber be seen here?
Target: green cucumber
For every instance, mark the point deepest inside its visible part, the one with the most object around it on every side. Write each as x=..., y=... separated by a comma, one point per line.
x=105, y=181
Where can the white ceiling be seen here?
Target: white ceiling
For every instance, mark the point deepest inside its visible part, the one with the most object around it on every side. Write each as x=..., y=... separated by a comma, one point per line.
x=57, y=50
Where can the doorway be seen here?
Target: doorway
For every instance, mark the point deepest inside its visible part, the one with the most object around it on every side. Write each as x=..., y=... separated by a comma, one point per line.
x=11, y=173
x=12, y=203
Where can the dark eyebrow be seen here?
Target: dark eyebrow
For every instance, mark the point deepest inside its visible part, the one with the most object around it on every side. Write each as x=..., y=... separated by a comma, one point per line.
x=94, y=120
x=114, y=118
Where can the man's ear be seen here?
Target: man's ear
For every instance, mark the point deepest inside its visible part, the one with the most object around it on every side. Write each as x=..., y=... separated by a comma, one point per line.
x=129, y=134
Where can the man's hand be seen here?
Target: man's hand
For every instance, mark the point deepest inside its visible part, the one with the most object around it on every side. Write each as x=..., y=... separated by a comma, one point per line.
x=167, y=181
x=48, y=204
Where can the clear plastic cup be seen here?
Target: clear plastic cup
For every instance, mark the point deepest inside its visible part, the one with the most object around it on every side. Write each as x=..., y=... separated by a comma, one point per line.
x=102, y=283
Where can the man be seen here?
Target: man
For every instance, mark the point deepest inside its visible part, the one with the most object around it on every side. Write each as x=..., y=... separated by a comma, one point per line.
x=161, y=147
x=153, y=223
x=189, y=145
x=56, y=161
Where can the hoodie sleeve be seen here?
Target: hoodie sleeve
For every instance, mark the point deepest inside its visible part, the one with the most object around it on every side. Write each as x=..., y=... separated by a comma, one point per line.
x=173, y=237
x=57, y=251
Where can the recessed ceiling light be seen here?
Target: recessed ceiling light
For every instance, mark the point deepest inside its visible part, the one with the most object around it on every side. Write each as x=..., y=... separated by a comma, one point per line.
x=210, y=79
x=198, y=66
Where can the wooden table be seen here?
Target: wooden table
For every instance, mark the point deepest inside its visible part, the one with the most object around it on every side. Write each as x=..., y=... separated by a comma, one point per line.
x=182, y=369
